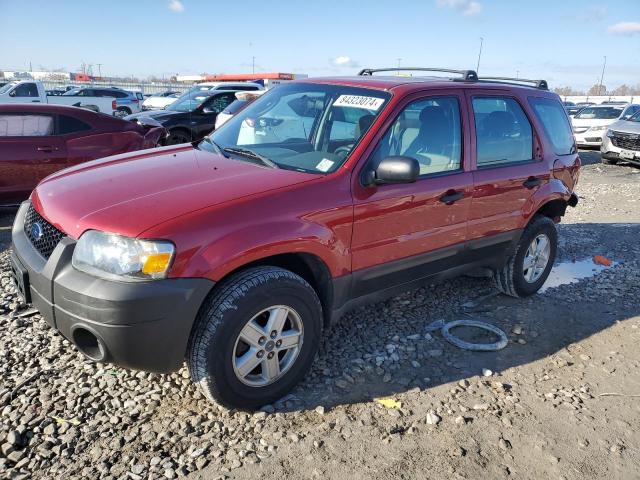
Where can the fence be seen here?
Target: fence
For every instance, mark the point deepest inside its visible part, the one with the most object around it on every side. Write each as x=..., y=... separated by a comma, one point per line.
x=599, y=98
x=144, y=87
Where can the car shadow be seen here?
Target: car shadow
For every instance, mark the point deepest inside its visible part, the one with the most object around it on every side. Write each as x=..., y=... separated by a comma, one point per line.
x=356, y=362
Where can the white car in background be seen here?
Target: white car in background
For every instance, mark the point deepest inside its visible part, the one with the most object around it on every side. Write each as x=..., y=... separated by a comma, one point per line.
x=160, y=101
x=243, y=100
x=591, y=123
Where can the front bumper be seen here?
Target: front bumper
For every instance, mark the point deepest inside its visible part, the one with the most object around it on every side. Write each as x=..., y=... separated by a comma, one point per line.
x=610, y=151
x=590, y=139
x=137, y=325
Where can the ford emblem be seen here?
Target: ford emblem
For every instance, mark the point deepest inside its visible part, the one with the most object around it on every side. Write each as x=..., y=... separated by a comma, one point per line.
x=36, y=231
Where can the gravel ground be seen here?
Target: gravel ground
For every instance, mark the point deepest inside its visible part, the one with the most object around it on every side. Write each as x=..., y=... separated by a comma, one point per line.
x=557, y=402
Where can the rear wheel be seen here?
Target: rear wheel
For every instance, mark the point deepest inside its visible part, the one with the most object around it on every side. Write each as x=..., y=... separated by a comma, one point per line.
x=608, y=161
x=122, y=112
x=255, y=338
x=527, y=270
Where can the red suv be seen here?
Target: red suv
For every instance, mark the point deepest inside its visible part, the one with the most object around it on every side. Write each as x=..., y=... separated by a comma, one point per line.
x=236, y=253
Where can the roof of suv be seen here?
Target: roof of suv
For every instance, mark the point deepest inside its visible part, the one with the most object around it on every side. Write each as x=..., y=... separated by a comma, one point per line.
x=392, y=81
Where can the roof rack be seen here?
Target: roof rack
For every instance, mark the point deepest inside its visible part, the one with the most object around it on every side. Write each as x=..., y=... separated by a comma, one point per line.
x=541, y=84
x=468, y=75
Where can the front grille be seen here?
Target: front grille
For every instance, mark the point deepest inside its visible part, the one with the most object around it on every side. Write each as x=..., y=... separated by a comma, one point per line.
x=45, y=237
x=628, y=141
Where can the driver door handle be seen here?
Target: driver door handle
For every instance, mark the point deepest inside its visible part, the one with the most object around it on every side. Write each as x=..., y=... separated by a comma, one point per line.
x=47, y=148
x=451, y=197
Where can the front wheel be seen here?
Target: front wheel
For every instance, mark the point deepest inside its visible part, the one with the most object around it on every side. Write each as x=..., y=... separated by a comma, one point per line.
x=527, y=270
x=255, y=338
x=608, y=161
x=177, y=137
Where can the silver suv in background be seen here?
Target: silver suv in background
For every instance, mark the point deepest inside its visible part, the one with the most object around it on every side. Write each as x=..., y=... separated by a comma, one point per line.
x=622, y=141
x=126, y=102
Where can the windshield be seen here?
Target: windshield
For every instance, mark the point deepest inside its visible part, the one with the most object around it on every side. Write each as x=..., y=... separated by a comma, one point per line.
x=635, y=117
x=72, y=92
x=599, y=113
x=305, y=127
x=188, y=102
x=6, y=88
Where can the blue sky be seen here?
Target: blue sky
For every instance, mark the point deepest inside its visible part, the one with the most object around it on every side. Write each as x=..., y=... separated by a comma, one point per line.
x=563, y=41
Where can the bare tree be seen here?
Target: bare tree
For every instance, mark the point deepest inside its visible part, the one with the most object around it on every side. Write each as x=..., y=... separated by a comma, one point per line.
x=622, y=90
x=565, y=91
x=597, y=89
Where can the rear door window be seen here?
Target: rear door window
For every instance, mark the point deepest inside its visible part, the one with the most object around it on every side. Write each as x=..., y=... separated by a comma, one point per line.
x=555, y=124
x=19, y=125
x=503, y=132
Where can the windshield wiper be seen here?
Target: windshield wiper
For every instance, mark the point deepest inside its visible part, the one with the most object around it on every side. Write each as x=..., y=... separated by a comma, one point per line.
x=219, y=149
x=245, y=152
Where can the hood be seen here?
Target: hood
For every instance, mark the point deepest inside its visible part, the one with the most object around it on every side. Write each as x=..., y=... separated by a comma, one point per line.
x=591, y=122
x=625, y=126
x=130, y=193
x=159, y=102
x=158, y=115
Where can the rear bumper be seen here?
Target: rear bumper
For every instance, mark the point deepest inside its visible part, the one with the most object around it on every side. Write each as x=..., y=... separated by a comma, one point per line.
x=137, y=325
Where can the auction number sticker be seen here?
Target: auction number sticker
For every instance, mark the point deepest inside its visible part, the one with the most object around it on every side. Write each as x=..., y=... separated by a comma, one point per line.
x=359, y=101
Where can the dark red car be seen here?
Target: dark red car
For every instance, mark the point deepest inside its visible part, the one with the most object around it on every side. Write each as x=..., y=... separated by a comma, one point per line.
x=38, y=140
x=237, y=253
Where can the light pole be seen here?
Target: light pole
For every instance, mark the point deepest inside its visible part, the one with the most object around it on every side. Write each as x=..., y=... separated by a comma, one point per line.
x=479, y=54
x=99, y=70
x=517, y=74
x=604, y=65
x=398, y=71
x=253, y=64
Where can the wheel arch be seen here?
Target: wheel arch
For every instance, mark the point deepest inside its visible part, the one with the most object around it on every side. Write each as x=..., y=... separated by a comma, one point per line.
x=308, y=266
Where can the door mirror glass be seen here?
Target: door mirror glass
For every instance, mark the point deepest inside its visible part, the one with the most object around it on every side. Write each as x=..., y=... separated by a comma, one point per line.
x=12, y=93
x=394, y=169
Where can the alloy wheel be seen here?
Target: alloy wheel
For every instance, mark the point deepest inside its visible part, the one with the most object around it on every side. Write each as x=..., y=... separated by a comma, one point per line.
x=536, y=258
x=267, y=346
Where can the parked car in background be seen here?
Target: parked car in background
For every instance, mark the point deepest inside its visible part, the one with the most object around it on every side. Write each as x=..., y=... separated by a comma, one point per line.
x=126, y=102
x=158, y=101
x=237, y=255
x=622, y=141
x=591, y=123
x=243, y=99
x=190, y=117
x=236, y=86
x=33, y=91
x=37, y=140
x=55, y=91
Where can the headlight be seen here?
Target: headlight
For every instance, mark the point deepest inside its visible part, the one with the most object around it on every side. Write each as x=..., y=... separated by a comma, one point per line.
x=609, y=134
x=595, y=129
x=113, y=256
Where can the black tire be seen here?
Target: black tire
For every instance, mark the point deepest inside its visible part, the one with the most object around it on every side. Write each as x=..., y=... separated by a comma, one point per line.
x=608, y=161
x=122, y=112
x=178, y=136
x=225, y=313
x=510, y=279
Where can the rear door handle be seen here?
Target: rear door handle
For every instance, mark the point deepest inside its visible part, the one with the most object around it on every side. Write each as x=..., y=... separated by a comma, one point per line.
x=532, y=182
x=451, y=197
x=47, y=148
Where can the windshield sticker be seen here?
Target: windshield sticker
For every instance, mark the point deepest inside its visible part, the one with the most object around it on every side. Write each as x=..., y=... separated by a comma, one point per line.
x=324, y=165
x=357, y=101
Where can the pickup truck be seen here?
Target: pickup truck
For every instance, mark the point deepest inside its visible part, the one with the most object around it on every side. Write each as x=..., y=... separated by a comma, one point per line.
x=31, y=91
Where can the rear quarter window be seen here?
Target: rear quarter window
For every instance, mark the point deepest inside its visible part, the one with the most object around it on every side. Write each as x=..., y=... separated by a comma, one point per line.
x=555, y=123
x=67, y=124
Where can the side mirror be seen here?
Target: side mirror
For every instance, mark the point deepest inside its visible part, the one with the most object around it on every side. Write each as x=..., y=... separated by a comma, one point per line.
x=209, y=110
x=12, y=93
x=394, y=169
